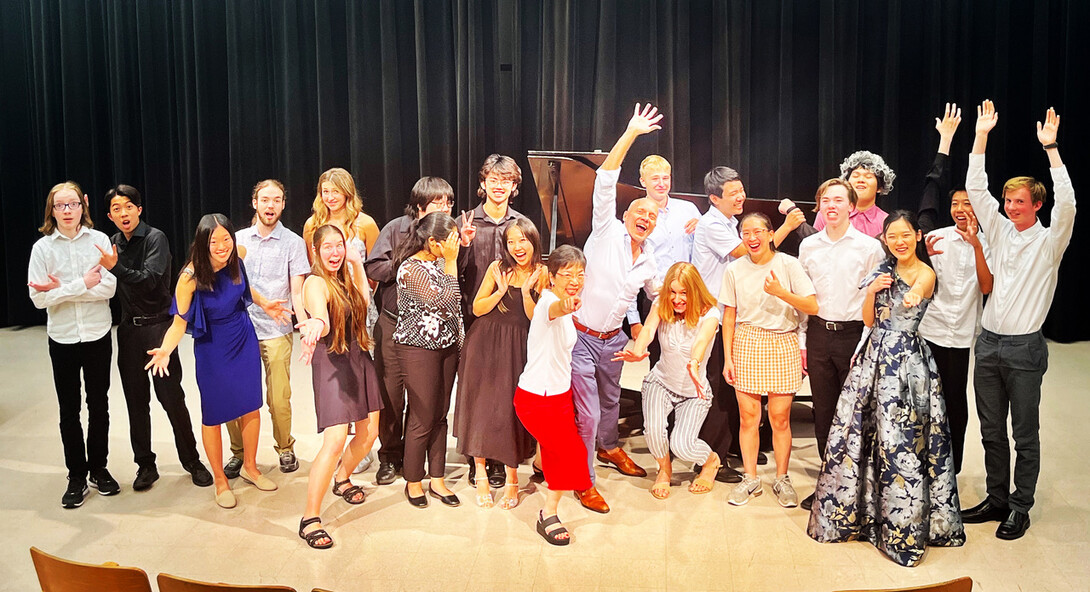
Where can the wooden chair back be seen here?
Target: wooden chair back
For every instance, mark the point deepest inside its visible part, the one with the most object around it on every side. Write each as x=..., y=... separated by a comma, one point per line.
x=169, y=583
x=61, y=575
x=964, y=584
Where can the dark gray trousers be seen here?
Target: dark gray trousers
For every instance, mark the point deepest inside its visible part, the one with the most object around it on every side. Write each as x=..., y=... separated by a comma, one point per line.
x=1008, y=374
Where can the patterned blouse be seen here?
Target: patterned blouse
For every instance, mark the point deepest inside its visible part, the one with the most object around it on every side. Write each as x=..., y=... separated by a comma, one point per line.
x=428, y=306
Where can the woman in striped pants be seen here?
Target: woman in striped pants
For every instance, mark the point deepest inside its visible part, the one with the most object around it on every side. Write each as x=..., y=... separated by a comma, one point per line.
x=685, y=317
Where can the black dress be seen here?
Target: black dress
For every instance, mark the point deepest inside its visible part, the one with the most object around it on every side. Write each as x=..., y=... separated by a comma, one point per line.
x=345, y=385
x=493, y=357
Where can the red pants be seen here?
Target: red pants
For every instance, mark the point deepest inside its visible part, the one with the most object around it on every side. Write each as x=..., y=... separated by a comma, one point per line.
x=551, y=420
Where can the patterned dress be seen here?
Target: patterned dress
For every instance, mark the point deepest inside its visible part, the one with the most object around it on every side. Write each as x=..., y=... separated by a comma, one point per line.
x=888, y=472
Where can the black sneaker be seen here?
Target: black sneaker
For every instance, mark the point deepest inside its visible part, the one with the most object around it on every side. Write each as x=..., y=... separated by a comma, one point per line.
x=101, y=480
x=232, y=468
x=200, y=474
x=145, y=478
x=73, y=496
x=288, y=462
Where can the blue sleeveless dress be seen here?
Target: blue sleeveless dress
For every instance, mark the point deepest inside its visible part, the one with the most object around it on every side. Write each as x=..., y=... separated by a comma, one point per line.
x=888, y=472
x=228, y=361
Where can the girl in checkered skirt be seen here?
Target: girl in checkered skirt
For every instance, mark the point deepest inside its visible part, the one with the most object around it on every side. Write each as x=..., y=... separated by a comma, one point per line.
x=764, y=294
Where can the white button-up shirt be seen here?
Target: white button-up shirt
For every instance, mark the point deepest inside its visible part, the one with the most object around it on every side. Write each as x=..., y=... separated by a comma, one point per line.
x=613, y=278
x=1024, y=264
x=715, y=237
x=75, y=314
x=953, y=316
x=669, y=242
x=837, y=268
x=271, y=262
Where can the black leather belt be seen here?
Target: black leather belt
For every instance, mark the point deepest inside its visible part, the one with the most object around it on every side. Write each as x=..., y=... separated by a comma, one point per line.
x=835, y=325
x=149, y=320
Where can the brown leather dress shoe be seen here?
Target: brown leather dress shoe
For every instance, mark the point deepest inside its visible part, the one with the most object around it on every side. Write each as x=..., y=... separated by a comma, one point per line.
x=592, y=500
x=622, y=461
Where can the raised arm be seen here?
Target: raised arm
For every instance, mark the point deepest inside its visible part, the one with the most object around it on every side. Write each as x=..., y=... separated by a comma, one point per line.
x=1063, y=211
x=937, y=182
x=976, y=179
x=643, y=121
x=638, y=350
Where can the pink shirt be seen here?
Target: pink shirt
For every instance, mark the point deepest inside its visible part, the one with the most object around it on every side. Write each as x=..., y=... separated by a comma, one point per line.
x=868, y=222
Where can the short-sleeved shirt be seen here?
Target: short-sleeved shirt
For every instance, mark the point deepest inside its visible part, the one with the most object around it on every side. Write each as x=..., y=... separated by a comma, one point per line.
x=715, y=237
x=271, y=262
x=548, y=351
x=676, y=340
x=743, y=289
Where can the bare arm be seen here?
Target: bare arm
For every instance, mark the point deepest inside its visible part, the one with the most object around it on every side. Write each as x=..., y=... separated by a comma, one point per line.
x=493, y=287
x=297, y=297
x=730, y=314
x=183, y=296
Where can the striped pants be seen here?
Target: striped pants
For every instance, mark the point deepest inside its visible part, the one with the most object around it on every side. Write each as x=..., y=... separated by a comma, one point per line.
x=689, y=413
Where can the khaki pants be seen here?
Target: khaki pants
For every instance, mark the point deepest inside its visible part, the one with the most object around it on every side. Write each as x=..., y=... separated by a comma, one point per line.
x=276, y=356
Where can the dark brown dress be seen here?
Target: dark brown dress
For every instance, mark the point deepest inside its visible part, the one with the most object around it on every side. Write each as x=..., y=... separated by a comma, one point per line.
x=345, y=385
x=492, y=360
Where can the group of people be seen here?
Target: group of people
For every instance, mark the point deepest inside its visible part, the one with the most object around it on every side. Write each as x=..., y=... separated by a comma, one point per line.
x=880, y=310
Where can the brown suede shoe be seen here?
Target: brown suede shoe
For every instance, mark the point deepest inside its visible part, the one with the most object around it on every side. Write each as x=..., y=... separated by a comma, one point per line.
x=622, y=461
x=592, y=500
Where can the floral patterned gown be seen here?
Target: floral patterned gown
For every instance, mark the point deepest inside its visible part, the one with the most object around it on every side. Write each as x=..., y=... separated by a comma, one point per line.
x=888, y=472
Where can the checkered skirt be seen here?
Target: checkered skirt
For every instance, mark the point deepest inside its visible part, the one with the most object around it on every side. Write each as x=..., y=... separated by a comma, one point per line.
x=766, y=362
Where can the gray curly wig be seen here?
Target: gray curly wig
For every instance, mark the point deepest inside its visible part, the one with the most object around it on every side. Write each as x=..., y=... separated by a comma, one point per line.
x=873, y=163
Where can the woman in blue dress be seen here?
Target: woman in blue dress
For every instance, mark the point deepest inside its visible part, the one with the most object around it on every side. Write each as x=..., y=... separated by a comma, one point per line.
x=888, y=471
x=210, y=302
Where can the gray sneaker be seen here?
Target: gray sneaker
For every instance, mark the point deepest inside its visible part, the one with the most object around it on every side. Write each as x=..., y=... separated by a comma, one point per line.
x=365, y=463
x=749, y=487
x=785, y=493
x=232, y=468
x=288, y=462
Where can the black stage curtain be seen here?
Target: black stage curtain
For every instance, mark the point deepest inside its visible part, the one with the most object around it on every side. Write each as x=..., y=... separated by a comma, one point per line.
x=193, y=101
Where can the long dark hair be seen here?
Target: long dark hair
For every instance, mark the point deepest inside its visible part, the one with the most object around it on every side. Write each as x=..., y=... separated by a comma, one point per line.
x=200, y=257
x=344, y=295
x=436, y=225
x=921, y=245
x=507, y=261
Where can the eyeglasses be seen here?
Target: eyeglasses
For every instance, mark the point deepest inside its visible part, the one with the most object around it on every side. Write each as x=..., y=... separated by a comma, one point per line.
x=499, y=181
x=72, y=205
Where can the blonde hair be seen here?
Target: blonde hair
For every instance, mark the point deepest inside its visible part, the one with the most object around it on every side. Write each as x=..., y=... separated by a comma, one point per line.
x=653, y=164
x=344, y=295
x=49, y=223
x=1036, y=188
x=353, y=204
x=700, y=299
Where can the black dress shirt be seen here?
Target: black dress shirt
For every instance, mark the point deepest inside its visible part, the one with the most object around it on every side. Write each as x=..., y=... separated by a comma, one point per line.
x=142, y=272
x=380, y=263
x=488, y=246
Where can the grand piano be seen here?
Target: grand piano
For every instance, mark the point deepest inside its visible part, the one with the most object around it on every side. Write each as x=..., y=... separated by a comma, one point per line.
x=565, y=182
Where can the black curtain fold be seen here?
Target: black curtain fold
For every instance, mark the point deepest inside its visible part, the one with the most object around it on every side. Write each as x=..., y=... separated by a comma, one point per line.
x=194, y=101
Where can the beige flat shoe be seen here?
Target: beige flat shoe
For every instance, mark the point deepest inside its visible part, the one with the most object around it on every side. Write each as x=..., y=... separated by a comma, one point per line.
x=226, y=499
x=261, y=481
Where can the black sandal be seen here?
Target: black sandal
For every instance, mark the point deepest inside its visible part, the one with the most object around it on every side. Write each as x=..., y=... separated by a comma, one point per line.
x=552, y=536
x=349, y=494
x=312, y=537
x=538, y=473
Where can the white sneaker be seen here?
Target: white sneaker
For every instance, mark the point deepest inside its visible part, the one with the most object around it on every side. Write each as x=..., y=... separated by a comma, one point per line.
x=365, y=463
x=747, y=488
x=785, y=492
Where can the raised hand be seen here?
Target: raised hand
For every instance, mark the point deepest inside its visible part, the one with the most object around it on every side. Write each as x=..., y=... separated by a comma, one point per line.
x=795, y=217
x=1046, y=133
x=92, y=277
x=930, y=241
x=276, y=311
x=502, y=278
x=450, y=246
x=52, y=284
x=773, y=286
x=987, y=117
x=950, y=120
x=882, y=282
x=352, y=254
x=786, y=205
x=108, y=258
x=160, y=359
x=468, y=231
x=535, y=277
x=630, y=355
x=644, y=121
x=570, y=305
x=911, y=299
x=969, y=234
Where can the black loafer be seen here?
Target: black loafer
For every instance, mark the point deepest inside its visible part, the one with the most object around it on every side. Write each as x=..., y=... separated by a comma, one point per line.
x=233, y=467
x=726, y=474
x=449, y=500
x=985, y=511
x=808, y=502
x=199, y=473
x=1013, y=527
x=386, y=474
x=497, y=475
x=417, y=502
x=145, y=478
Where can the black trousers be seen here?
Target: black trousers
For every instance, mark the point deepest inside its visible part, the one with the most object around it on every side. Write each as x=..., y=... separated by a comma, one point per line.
x=828, y=359
x=92, y=360
x=720, y=429
x=133, y=344
x=1009, y=370
x=391, y=420
x=428, y=387
x=953, y=366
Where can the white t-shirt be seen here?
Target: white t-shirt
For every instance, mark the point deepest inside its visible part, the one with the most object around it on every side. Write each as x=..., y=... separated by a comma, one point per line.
x=676, y=340
x=548, y=351
x=743, y=288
